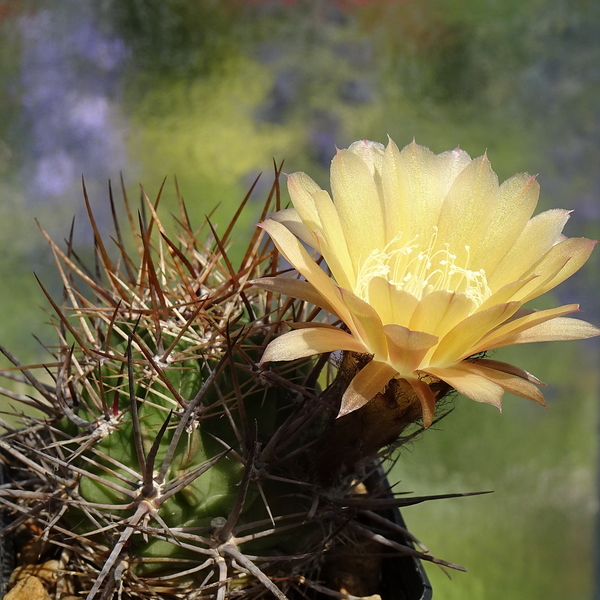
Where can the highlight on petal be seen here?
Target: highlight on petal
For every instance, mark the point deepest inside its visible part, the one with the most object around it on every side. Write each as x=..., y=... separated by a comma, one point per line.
x=301, y=187
x=407, y=348
x=291, y=219
x=295, y=288
x=555, y=330
x=358, y=204
x=528, y=328
x=426, y=398
x=371, y=380
x=469, y=206
x=298, y=257
x=309, y=341
x=470, y=384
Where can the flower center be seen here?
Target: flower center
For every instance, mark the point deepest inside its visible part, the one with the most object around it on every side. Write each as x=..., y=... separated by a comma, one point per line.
x=420, y=269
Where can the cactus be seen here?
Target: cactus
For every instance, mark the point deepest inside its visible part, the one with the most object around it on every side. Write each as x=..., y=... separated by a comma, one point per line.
x=163, y=461
x=185, y=443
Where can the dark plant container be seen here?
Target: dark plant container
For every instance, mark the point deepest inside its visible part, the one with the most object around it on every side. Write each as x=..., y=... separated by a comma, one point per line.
x=402, y=577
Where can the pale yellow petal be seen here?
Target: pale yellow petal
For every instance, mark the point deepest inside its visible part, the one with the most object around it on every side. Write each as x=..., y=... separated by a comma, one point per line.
x=461, y=339
x=509, y=383
x=295, y=288
x=371, y=153
x=470, y=384
x=450, y=164
x=554, y=330
x=507, y=368
x=415, y=182
x=403, y=306
x=366, y=324
x=517, y=199
x=503, y=335
x=308, y=341
x=407, y=348
x=413, y=190
x=539, y=235
x=358, y=205
x=572, y=253
x=510, y=292
x=468, y=208
x=440, y=311
x=301, y=188
x=335, y=249
x=293, y=251
x=396, y=210
x=392, y=305
x=426, y=398
x=369, y=381
x=291, y=219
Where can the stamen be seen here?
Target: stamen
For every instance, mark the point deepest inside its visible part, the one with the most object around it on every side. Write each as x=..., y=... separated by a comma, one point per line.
x=419, y=269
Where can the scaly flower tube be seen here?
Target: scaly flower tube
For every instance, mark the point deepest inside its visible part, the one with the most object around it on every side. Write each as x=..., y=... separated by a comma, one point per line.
x=431, y=262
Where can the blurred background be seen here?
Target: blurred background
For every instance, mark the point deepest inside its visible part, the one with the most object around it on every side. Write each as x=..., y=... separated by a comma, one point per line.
x=213, y=90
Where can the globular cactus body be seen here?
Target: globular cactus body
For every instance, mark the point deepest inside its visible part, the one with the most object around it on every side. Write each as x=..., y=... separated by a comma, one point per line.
x=168, y=462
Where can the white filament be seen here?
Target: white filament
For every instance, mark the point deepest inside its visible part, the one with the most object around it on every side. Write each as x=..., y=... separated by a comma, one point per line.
x=420, y=269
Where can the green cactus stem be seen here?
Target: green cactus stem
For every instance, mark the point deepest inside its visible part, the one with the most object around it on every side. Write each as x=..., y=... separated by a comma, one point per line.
x=163, y=461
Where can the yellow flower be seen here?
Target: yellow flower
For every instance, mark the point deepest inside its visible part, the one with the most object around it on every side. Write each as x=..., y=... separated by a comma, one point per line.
x=431, y=261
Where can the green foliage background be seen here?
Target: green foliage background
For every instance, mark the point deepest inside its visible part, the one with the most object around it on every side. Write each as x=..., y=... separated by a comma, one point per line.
x=213, y=91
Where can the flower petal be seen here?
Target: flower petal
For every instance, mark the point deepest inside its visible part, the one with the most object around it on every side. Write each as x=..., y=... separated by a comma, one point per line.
x=460, y=340
x=371, y=153
x=366, y=324
x=572, y=253
x=503, y=335
x=415, y=182
x=509, y=383
x=298, y=257
x=539, y=235
x=295, y=288
x=334, y=248
x=291, y=219
x=358, y=205
x=309, y=341
x=301, y=187
x=510, y=292
x=517, y=199
x=426, y=398
x=470, y=384
x=507, y=368
x=468, y=207
x=440, y=311
x=392, y=305
x=365, y=386
x=554, y=330
x=407, y=348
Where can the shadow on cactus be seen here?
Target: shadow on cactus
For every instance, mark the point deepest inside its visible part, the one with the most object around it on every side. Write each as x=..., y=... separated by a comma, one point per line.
x=165, y=462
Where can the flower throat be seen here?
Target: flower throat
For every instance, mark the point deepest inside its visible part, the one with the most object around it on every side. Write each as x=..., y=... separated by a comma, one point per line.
x=421, y=269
